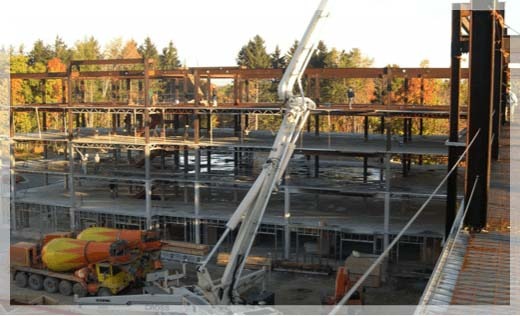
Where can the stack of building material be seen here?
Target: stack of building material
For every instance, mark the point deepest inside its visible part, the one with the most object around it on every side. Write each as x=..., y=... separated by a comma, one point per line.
x=252, y=262
x=185, y=248
x=359, y=264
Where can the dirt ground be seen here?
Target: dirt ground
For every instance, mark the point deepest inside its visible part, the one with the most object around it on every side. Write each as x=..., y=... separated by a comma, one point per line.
x=289, y=288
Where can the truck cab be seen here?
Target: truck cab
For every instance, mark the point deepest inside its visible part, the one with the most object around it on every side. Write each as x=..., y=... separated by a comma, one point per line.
x=25, y=254
x=111, y=279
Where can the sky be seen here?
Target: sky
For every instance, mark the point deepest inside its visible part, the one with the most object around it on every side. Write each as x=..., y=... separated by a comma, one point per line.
x=211, y=32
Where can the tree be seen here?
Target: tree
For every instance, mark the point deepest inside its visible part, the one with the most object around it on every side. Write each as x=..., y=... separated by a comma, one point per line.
x=130, y=50
x=114, y=49
x=277, y=60
x=254, y=54
x=148, y=50
x=169, y=58
x=40, y=53
x=61, y=50
x=318, y=59
x=290, y=53
x=87, y=49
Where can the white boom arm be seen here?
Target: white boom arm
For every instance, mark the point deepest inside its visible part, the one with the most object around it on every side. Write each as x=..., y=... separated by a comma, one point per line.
x=252, y=208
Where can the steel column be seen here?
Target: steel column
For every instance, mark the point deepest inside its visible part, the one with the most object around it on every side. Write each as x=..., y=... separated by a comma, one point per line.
x=451, y=201
x=497, y=108
x=480, y=111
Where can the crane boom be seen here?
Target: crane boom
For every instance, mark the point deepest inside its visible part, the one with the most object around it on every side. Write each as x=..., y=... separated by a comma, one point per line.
x=252, y=208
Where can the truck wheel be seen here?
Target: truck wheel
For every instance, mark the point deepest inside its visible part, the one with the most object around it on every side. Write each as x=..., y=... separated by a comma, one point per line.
x=36, y=282
x=104, y=292
x=79, y=290
x=50, y=285
x=21, y=279
x=65, y=288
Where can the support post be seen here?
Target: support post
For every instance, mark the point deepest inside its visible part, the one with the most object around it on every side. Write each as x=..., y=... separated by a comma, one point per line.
x=287, y=215
x=196, y=127
x=196, y=196
x=497, y=87
x=456, y=53
x=388, y=176
x=366, y=128
x=480, y=111
x=148, y=187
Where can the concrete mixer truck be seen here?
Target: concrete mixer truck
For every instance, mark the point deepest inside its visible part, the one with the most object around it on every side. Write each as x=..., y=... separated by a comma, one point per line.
x=145, y=246
x=67, y=265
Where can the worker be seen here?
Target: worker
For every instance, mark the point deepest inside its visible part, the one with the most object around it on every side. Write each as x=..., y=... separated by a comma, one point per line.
x=351, y=95
x=512, y=102
x=214, y=98
x=97, y=160
x=84, y=162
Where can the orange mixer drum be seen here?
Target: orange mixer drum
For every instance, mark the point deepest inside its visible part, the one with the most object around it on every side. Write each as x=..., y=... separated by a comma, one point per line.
x=135, y=238
x=66, y=254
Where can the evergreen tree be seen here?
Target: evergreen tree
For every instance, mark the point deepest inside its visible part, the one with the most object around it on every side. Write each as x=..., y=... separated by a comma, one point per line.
x=61, y=50
x=318, y=60
x=277, y=60
x=40, y=53
x=148, y=50
x=169, y=58
x=291, y=51
x=254, y=54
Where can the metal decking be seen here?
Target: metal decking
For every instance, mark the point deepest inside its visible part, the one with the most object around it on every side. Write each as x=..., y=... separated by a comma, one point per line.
x=478, y=274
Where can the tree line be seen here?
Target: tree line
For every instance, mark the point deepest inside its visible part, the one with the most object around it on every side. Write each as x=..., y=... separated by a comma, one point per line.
x=54, y=57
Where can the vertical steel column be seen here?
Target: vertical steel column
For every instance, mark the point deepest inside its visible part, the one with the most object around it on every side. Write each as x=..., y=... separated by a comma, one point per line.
x=497, y=87
x=388, y=176
x=456, y=53
x=148, y=186
x=480, y=109
x=147, y=149
x=196, y=127
x=72, y=192
x=287, y=216
x=196, y=196
x=366, y=128
x=505, y=77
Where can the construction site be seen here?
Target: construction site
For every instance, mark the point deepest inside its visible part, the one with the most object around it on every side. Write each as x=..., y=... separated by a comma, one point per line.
x=160, y=164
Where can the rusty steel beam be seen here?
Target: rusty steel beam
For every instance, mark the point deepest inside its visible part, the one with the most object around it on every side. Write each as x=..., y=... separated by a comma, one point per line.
x=244, y=74
x=129, y=61
x=43, y=75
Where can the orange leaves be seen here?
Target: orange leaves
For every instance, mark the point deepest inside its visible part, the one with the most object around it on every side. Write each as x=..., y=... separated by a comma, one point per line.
x=56, y=65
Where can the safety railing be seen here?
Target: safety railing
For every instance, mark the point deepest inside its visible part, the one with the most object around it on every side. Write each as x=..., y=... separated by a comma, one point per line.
x=394, y=242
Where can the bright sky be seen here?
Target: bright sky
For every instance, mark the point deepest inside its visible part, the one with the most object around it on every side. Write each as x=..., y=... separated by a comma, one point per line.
x=211, y=32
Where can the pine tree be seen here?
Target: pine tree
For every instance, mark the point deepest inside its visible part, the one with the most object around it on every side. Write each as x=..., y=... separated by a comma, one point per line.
x=318, y=60
x=40, y=53
x=148, y=50
x=254, y=54
x=277, y=60
x=290, y=53
x=169, y=58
